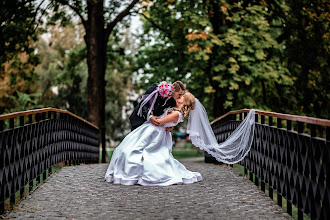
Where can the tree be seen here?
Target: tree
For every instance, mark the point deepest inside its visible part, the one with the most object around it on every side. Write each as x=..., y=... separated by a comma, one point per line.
x=63, y=69
x=99, y=18
x=63, y=74
x=226, y=52
x=98, y=21
x=18, y=28
x=119, y=73
x=18, y=31
x=306, y=34
x=18, y=80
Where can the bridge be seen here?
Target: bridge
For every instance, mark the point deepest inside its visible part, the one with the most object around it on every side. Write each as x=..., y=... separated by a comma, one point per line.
x=289, y=155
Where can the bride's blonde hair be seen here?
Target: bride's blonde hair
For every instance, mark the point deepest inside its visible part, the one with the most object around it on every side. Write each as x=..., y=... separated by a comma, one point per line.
x=189, y=104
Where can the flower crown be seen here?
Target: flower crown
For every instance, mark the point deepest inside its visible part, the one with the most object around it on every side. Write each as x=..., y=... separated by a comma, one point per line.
x=165, y=89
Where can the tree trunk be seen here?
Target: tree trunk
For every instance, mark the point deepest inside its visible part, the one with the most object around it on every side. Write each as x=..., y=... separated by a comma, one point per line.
x=217, y=20
x=96, y=56
x=96, y=38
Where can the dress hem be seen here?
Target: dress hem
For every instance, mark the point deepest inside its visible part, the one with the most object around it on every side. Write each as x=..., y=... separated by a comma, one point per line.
x=141, y=181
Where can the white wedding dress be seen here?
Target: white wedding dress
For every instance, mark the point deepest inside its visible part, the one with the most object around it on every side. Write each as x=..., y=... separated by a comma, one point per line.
x=145, y=157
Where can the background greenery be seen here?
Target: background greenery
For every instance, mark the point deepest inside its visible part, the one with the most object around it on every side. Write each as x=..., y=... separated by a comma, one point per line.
x=271, y=55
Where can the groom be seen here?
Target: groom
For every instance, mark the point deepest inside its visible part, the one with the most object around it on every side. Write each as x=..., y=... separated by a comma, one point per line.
x=159, y=105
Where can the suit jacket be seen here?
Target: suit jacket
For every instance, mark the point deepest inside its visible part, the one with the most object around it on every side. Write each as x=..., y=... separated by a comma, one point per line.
x=158, y=110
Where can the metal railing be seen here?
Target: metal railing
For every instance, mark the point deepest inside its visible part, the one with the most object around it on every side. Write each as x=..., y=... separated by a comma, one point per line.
x=290, y=154
x=31, y=142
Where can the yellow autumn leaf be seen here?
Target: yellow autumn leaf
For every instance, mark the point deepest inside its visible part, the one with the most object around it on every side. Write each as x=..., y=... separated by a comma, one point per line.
x=223, y=9
x=232, y=60
x=260, y=55
x=208, y=50
x=209, y=90
x=233, y=86
x=234, y=68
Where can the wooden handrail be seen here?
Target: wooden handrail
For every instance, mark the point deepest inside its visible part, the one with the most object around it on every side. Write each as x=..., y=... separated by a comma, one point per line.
x=310, y=120
x=23, y=113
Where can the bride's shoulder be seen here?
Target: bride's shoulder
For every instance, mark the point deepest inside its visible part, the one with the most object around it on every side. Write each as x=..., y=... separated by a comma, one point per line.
x=177, y=112
x=180, y=117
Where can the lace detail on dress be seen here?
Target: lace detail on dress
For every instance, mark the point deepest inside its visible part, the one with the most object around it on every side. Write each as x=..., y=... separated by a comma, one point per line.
x=172, y=124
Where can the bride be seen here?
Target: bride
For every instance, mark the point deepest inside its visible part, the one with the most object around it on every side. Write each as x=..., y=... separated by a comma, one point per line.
x=145, y=155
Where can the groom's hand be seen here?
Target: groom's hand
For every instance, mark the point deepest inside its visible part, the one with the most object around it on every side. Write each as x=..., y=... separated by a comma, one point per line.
x=154, y=120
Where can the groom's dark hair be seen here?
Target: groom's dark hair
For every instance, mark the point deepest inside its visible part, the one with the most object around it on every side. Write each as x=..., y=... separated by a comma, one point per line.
x=177, y=85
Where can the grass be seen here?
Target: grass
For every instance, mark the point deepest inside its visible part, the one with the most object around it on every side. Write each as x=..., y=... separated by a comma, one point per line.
x=177, y=154
x=188, y=151
x=284, y=201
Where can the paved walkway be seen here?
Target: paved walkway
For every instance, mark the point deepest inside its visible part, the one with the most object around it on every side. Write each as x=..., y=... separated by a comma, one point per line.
x=79, y=192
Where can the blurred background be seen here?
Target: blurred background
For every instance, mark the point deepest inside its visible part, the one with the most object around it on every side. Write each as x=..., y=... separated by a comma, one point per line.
x=97, y=58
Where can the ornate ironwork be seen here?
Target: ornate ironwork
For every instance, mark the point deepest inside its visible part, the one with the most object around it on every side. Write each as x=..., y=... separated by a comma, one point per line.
x=41, y=139
x=295, y=164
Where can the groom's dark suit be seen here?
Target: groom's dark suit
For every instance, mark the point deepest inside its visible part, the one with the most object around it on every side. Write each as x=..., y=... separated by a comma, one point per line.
x=158, y=110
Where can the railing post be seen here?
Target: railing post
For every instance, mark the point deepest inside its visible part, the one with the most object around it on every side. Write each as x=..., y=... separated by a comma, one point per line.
x=38, y=178
x=326, y=211
x=270, y=190
x=250, y=161
x=262, y=122
x=256, y=179
x=49, y=164
x=300, y=171
x=279, y=197
x=312, y=173
x=21, y=123
x=44, y=163
x=245, y=166
x=288, y=163
x=13, y=185
x=31, y=181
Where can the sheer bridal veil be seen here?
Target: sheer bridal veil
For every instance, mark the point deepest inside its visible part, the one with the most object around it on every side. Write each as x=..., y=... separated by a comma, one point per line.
x=234, y=149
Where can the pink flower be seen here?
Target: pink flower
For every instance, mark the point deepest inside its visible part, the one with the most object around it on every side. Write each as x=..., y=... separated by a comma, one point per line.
x=165, y=89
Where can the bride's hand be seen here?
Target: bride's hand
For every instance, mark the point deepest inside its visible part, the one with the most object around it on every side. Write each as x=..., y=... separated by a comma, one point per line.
x=154, y=120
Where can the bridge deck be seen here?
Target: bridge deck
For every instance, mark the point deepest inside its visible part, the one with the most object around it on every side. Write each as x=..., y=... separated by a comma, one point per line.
x=79, y=192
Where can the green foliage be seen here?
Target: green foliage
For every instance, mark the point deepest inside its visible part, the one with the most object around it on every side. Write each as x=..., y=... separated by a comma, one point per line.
x=24, y=102
x=247, y=52
x=225, y=51
x=18, y=33
x=17, y=27
x=307, y=51
x=119, y=73
x=63, y=70
x=72, y=82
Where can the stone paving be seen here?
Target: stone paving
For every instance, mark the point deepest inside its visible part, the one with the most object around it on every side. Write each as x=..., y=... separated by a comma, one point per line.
x=80, y=192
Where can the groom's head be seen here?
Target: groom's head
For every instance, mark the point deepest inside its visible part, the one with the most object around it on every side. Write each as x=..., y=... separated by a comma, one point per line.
x=179, y=88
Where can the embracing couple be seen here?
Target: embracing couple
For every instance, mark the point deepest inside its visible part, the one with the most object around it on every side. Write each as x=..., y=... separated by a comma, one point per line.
x=145, y=157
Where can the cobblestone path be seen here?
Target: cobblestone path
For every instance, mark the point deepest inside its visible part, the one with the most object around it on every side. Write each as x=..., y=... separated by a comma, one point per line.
x=79, y=192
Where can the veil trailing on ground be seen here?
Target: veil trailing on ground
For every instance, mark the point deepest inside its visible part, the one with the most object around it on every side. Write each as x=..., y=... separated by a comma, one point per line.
x=234, y=149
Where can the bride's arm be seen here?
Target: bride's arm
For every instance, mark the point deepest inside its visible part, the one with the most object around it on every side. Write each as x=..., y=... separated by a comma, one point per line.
x=173, y=117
